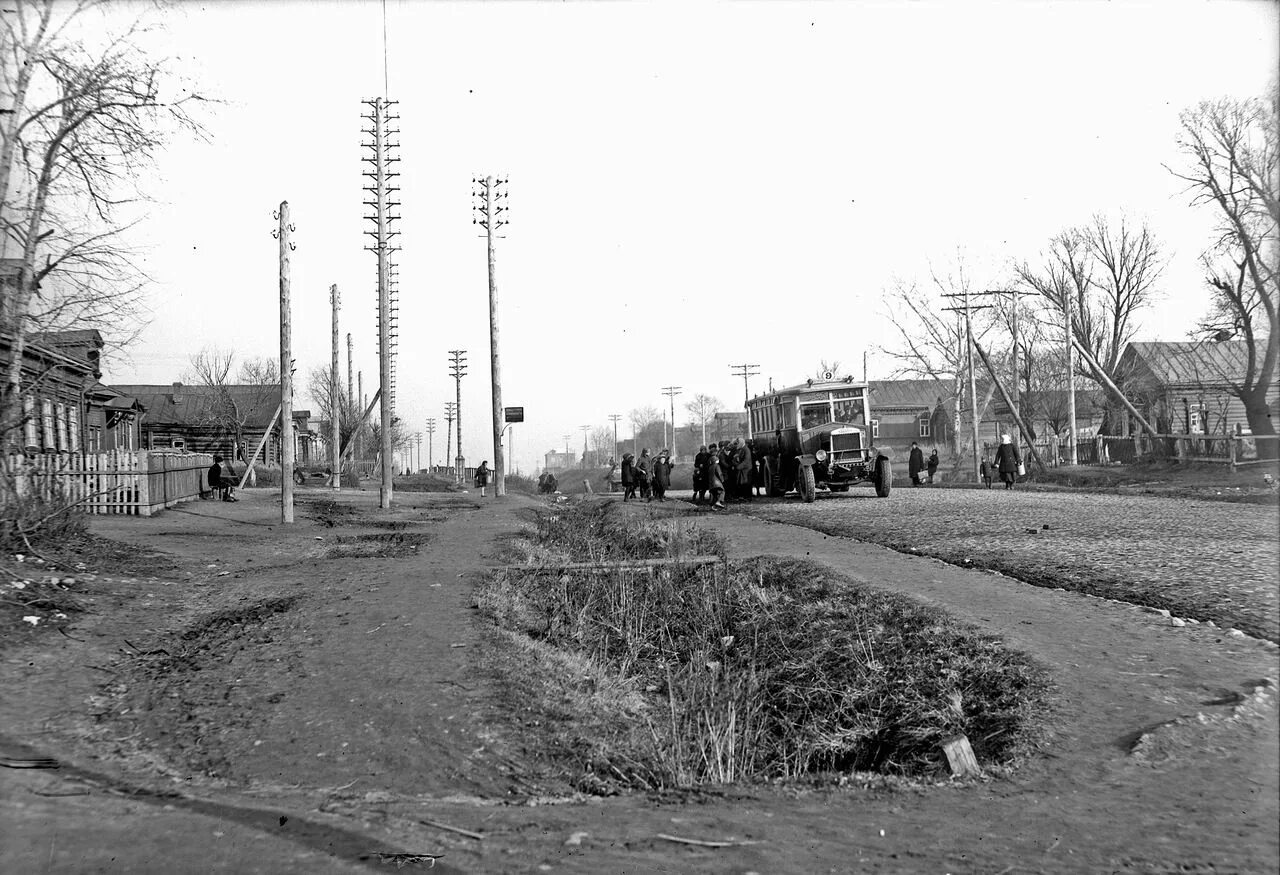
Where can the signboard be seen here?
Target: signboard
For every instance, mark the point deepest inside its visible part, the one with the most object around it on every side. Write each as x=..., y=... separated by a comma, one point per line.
x=513, y=414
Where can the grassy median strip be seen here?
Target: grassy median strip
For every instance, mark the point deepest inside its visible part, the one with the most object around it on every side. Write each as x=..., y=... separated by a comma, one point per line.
x=691, y=674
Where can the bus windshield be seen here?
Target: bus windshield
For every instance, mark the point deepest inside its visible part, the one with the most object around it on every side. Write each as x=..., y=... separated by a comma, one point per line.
x=814, y=415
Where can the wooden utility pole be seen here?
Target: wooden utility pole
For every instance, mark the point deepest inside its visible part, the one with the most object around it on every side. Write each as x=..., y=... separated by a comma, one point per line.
x=335, y=480
x=448, y=444
x=458, y=368
x=966, y=309
x=431, y=433
x=383, y=145
x=614, y=417
x=358, y=434
x=1016, y=395
x=418, y=437
x=1008, y=400
x=1073, y=457
x=744, y=371
x=351, y=401
x=286, y=368
x=585, y=429
x=671, y=392
x=492, y=217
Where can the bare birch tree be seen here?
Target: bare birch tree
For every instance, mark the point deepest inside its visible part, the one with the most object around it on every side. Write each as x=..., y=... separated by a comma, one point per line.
x=702, y=409
x=1231, y=149
x=234, y=394
x=85, y=117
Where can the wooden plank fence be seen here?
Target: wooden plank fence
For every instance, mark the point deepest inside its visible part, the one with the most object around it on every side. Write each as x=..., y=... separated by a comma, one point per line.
x=136, y=483
x=1233, y=450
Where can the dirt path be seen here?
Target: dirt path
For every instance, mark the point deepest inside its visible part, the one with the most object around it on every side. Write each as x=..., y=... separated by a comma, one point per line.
x=332, y=714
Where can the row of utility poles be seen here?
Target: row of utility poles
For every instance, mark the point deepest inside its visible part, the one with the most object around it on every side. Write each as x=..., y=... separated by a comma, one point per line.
x=381, y=188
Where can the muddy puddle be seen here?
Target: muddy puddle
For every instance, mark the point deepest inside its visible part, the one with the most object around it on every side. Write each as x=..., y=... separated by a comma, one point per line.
x=384, y=545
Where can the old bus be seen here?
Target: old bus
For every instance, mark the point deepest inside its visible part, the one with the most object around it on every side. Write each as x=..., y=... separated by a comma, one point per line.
x=817, y=435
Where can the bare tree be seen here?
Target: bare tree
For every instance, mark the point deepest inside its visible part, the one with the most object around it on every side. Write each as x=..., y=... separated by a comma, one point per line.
x=84, y=119
x=318, y=388
x=1107, y=275
x=827, y=367
x=702, y=409
x=234, y=395
x=1231, y=150
x=930, y=342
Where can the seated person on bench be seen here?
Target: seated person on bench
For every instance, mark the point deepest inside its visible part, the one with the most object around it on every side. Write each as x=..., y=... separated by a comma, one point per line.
x=222, y=483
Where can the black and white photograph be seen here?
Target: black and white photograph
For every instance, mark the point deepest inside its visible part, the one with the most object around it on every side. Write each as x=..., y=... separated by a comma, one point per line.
x=719, y=436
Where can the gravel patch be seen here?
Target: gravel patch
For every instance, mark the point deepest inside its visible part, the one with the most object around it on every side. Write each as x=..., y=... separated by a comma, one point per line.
x=1206, y=561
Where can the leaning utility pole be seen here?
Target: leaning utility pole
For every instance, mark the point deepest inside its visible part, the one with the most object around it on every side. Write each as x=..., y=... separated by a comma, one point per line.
x=458, y=368
x=966, y=309
x=492, y=217
x=1016, y=394
x=448, y=443
x=286, y=368
x=335, y=477
x=431, y=434
x=744, y=371
x=383, y=145
x=671, y=392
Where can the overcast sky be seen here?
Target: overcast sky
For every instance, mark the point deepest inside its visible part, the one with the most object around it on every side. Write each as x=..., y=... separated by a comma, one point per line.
x=693, y=184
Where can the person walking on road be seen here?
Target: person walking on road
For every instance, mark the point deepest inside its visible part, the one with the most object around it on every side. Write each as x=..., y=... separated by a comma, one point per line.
x=482, y=477
x=932, y=466
x=1007, y=461
x=742, y=469
x=915, y=463
x=986, y=469
x=628, y=477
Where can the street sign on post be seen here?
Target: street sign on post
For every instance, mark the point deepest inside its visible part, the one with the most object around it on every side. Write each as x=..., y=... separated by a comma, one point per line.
x=513, y=414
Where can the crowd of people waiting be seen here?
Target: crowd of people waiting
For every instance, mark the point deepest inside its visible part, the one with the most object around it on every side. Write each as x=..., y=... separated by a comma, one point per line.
x=727, y=470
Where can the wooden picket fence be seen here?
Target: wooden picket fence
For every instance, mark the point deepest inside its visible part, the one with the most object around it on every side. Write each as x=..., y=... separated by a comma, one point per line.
x=137, y=483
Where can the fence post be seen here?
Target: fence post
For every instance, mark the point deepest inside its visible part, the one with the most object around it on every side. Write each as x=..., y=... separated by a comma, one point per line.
x=142, y=471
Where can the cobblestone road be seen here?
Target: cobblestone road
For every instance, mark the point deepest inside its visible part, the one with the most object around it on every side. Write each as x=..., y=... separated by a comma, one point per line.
x=1203, y=560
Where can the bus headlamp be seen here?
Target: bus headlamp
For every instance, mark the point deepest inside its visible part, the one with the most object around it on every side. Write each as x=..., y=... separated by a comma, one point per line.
x=820, y=455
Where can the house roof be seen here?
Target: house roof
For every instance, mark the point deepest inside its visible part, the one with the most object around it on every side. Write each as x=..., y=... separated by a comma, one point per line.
x=906, y=394
x=176, y=404
x=1190, y=363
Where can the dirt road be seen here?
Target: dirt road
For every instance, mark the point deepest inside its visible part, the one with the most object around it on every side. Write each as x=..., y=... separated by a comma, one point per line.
x=310, y=704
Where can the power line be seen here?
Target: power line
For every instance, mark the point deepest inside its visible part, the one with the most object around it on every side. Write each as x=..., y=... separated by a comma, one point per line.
x=745, y=371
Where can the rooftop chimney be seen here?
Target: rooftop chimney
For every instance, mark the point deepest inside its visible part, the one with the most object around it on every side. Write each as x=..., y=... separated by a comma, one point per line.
x=176, y=397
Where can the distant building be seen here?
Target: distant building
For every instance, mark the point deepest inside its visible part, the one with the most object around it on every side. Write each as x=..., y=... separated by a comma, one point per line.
x=555, y=460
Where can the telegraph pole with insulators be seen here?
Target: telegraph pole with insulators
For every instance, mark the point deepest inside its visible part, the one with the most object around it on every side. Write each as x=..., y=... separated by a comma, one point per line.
x=431, y=434
x=458, y=368
x=746, y=372
x=585, y=429
x=448, y=444
x=966, y=308
x=335, y=386
x=671, y=392
x=351, y=401
x=491, y=213
x=418, y=437
x=286, y=366
x=382, y=141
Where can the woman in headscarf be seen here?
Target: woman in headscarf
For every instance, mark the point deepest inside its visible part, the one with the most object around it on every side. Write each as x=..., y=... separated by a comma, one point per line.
x=1007, y=461
x=715, y=477
x=662, y=474
x=932, y=465
x=700, y=474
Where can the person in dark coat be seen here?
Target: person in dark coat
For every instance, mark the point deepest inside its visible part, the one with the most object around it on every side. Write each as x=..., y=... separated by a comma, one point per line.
x=642, y=472
x=742, y=466
x=628, y=477
x=220, y=483
x=700, y=474
x=662, y=475
x=482, y=477
x=987, y=470
x=915, y=463
x=932, y=465
x=1007, y=461
x=715, y=477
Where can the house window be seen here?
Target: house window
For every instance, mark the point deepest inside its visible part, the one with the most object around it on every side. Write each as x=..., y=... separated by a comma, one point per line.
x=46, y=423
x=875, y=428
x=29, y=427
x=178, y=444
x=73, y=428
x=924, y=426
x=95, y=439
x=63, y=435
